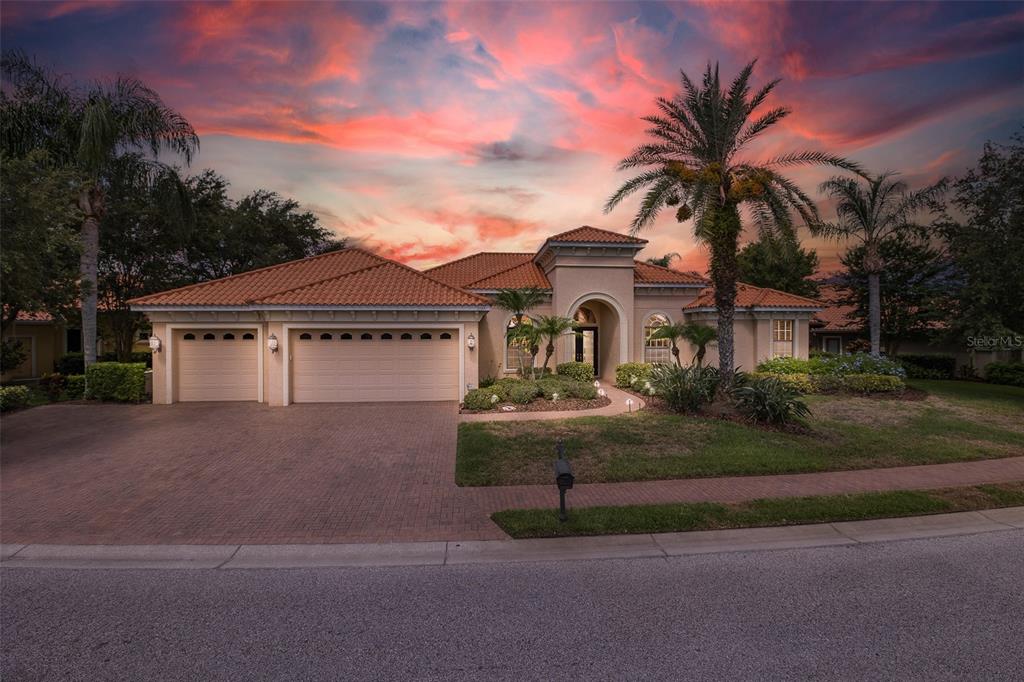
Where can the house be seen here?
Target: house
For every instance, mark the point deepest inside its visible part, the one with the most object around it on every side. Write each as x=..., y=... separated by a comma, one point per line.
x=44, y=340
x=352, y=326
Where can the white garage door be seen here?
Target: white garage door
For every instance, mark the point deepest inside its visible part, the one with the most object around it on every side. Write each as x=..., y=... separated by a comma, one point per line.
x=217, y=364
x=350, y=365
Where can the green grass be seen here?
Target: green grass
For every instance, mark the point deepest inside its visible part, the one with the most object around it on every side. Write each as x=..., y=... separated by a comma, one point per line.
x=960, y=421
x=667, y=518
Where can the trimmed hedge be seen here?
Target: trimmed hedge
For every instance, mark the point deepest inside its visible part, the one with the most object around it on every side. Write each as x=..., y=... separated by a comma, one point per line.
x=74, y=387
x=842, y=365
x=13, y=397
x=928, y=366
x=580, y=371
x=480, y=399
x=523, y=391
x=834, y=383
x=873, y=383
x=70, y=363
x=633, y=374
x=143, y=356
x=801, y=383
x=116, y=381
x=1010, y=373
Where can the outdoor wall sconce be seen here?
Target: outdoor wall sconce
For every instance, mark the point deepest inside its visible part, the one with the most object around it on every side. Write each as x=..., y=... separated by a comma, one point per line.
x=471, y=342
x=154, y=344
x=272, y=343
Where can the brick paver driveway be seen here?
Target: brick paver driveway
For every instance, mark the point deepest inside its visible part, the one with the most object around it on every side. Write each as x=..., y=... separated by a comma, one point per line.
x=234, y=472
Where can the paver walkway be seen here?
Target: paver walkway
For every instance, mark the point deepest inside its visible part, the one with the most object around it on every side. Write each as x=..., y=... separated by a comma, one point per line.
x=616, y=407
x=236, y=473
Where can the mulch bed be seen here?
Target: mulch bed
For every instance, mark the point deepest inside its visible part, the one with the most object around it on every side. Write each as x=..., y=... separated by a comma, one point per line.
x=545, y=405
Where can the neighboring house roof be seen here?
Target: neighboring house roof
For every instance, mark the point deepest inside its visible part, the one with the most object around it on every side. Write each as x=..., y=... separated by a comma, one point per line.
x=751, y=297
x=593, y=235
x=648, y=273
x=349, y=277
x=838, y=318
x=24, y=316
x=491, y=270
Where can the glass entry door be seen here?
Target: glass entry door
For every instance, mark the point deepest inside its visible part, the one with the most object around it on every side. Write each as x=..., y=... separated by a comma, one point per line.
x=586, y=347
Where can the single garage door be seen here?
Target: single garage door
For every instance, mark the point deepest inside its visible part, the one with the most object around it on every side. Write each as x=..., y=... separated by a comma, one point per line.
x=350, y=365
x=217, y=364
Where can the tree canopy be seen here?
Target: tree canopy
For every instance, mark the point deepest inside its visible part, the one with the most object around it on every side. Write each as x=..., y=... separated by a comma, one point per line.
x=779, y=263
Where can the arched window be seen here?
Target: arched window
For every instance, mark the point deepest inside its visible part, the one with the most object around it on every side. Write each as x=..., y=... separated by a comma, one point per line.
x=406, y=337
x=366, y=337
x=446, y=336
x=209, y=337
x=385, y=337
x=326, y=337
x=345, y=337
x=656, y=350
x=229, y=337
x=517, y=351
x=248, y=336
x=425, y=337
x=190, y=337
x=305, y=337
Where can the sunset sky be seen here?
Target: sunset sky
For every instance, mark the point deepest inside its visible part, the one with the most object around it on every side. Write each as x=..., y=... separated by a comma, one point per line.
x=432, y=130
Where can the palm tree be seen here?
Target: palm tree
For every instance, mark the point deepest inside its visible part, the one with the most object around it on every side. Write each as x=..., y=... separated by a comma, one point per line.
x=87, y=129
x=672, y=332
x=664, y=261
x=694, y=163
x=551, y=327
x=872, y=209
x=700, y=335
x=518, y=302
x=530, y=336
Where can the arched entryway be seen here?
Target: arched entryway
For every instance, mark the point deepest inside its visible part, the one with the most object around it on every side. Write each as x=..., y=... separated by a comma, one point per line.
x=602, y=335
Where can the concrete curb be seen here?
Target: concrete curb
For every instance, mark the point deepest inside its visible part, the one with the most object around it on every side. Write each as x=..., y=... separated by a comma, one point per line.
x=663, y=545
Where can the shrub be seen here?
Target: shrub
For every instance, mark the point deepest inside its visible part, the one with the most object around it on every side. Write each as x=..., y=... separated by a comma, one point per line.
x=581, y=390
x=144, y=356
x=487, y=381
x=786, y=366
x=53, y=386
x=580, y=371
x=70, y=363
x=768, y=399
x=480, y=399
x=74, y=387
x=928, y=366
x=841, y=365
x=13, y=397
x=632, y=374
x=524, y=392
x=1011, y=373
x=118, y=381
x=801, y=383
x=827, y=383
x=858, y=346
x=685, y=389
x=873, y=383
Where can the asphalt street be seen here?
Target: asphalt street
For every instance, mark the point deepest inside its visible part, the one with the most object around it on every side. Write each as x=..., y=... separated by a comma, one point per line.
x=945, y=608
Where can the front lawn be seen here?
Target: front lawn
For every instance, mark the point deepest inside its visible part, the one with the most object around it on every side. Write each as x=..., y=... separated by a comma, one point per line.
x=785, y=511
x=957, y=421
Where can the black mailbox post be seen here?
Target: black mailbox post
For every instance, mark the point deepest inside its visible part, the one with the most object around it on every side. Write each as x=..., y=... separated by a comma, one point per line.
x=564, y=479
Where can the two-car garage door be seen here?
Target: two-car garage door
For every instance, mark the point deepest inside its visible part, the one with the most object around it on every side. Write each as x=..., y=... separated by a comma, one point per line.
x=350, y=365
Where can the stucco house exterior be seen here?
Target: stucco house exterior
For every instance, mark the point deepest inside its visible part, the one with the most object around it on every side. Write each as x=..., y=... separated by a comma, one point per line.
x=353, y=326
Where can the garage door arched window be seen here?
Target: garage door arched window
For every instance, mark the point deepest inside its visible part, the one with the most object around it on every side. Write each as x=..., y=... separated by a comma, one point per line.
x=406, y=337
x=326, y=337
x=345, y=337
x=446, y=336
x=190, y=337
x=656, y=350
x=305, y=337
x=425, y=336
x=209, y=337
x=366, y=337
x=248, y=336
x=385, y=337
x=228, y=337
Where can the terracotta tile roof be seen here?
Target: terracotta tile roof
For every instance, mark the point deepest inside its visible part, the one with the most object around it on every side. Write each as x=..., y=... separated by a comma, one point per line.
x=349, y=277
x=593, y=235
x=648, y=273
x=838, y=318
x=25, y=316
x=749, y=296
x=522, y=276
x=480, y=267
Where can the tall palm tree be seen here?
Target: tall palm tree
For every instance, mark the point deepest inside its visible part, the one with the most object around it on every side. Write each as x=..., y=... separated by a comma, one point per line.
x=694, y=163
x=530, y=338
x=87, y=129
x=672, y=332
x=700, y=335
x=871, y=209
x=518, y=302
x=665, y=260
x=551, y=327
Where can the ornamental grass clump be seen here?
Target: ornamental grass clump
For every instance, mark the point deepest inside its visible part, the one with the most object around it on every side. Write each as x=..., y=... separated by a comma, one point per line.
x=769, y=400
x=684, y=389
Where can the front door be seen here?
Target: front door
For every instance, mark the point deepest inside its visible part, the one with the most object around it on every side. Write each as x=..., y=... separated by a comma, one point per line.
x=586, y=347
